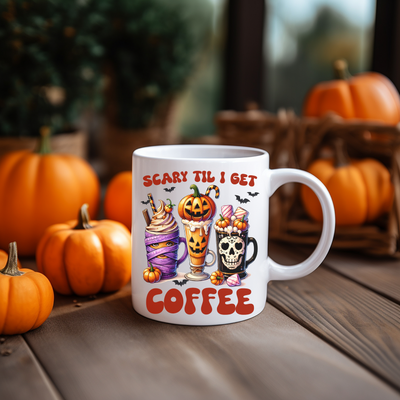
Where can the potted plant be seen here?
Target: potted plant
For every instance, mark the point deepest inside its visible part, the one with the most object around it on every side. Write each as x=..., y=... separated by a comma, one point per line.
x=152, y=47
x=50, y=69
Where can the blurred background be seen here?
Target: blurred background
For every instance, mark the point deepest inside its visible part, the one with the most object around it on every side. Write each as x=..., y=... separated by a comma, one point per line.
x=127, y=73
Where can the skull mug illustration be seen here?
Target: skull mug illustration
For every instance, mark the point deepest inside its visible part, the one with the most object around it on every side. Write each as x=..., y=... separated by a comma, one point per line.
x=232, y=241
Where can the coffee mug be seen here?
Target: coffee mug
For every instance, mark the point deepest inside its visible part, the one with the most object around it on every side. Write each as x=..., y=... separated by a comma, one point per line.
x=202, y=210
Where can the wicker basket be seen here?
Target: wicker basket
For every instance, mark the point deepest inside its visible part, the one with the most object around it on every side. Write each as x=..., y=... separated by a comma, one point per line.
x=363, y=139
x=254, y=128
x=294, y=142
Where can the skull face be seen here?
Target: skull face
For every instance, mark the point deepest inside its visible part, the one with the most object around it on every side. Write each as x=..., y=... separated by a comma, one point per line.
x=231, y=249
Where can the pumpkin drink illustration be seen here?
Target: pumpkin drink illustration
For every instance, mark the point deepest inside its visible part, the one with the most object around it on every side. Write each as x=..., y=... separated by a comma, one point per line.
x=232, y=241
x=197, y=211
x=162, y=240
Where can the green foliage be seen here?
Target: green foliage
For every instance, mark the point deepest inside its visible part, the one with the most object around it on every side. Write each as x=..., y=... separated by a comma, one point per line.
x=53, y=54
x=47, y=44
x=152, y=47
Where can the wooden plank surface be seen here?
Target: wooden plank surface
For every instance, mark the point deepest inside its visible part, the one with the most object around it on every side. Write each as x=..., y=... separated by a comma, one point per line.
x=103, y=349
x=381, y=275
x=21, y=376
x=359, y=322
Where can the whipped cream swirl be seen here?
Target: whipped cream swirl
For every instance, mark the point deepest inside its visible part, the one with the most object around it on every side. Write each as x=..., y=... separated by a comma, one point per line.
x=162, y=221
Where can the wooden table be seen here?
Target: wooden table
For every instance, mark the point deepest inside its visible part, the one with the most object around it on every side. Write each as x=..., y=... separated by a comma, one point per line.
x=332, y=335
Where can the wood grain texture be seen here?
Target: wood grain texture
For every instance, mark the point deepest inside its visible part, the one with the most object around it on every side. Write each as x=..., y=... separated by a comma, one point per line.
x=104, y=349
x=21, y=377
x=359, y=322
x=380, y=275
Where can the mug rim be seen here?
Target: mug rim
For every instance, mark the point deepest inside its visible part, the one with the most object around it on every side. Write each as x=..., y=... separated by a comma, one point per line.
x=213, y=152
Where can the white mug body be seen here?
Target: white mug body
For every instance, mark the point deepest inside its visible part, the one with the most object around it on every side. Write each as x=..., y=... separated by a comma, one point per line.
x=218, y=197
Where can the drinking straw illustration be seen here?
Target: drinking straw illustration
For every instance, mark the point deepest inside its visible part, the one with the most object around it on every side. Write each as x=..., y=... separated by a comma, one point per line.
x=153, y=207
x=146, y=217
x=213, y=187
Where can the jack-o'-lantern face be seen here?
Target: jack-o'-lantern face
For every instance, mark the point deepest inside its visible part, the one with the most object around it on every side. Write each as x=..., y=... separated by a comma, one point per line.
x=198, y=246
x=159, y=245
x=196, y=207
x=197, y=242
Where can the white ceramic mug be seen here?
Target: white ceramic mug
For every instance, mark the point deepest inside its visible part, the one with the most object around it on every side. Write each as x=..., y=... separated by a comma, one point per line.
x=200, y=216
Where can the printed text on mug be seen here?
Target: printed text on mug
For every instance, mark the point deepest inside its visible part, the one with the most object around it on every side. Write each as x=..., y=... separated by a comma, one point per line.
x=198, y=176
x=193, y=299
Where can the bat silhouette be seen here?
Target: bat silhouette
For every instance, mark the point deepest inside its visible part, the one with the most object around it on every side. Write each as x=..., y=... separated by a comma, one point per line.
x=241, y=201
x=180, y=283
x=169, y=190
x=253, y=194
x=145, y=202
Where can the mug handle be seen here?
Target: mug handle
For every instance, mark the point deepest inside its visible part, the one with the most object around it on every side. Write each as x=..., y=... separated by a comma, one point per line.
x=183, y=240
x=280, y=176
x=208, y=264
x=255, y=251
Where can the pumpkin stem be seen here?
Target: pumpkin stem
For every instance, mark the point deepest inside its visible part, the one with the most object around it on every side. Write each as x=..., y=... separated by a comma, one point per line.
x=196, y=190
x=170, y=203
x=151, y=267
x=11, y=267
x=222, y=218
x=44, y=143
x=341, y=70
x=83, y=218
x=342, y=159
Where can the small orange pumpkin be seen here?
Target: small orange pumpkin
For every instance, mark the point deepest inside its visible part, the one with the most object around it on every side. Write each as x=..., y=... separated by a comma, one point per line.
x=368, y=96
x=196, y=206
x=223, y=222
x=169, y=207
x=41, y=189
x=118, y=199
x=26, y=297
x=361, y=190
x=152, y=274
x=217, y=278
x=85, y=257
x=241, y=224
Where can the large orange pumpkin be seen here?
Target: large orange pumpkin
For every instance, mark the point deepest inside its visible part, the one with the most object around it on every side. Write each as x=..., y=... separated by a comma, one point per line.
x=4, y=258
x=85, y=257
x=361, y=190
x=118, y=199
x=368, y=96
x=41, y=189
x=26, y=297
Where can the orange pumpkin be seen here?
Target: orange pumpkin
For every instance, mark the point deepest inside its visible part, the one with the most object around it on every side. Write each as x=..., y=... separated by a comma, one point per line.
x=169, y=207
x=241, y=224
x=196, y=206
x=361, y=190
x=223, y=222
x=217, y=278
x=368, y=96
x=118, y=199
x=152, y=274
x=4, y=258
x=26, y=297
x=39, y=190
x=85, y=257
